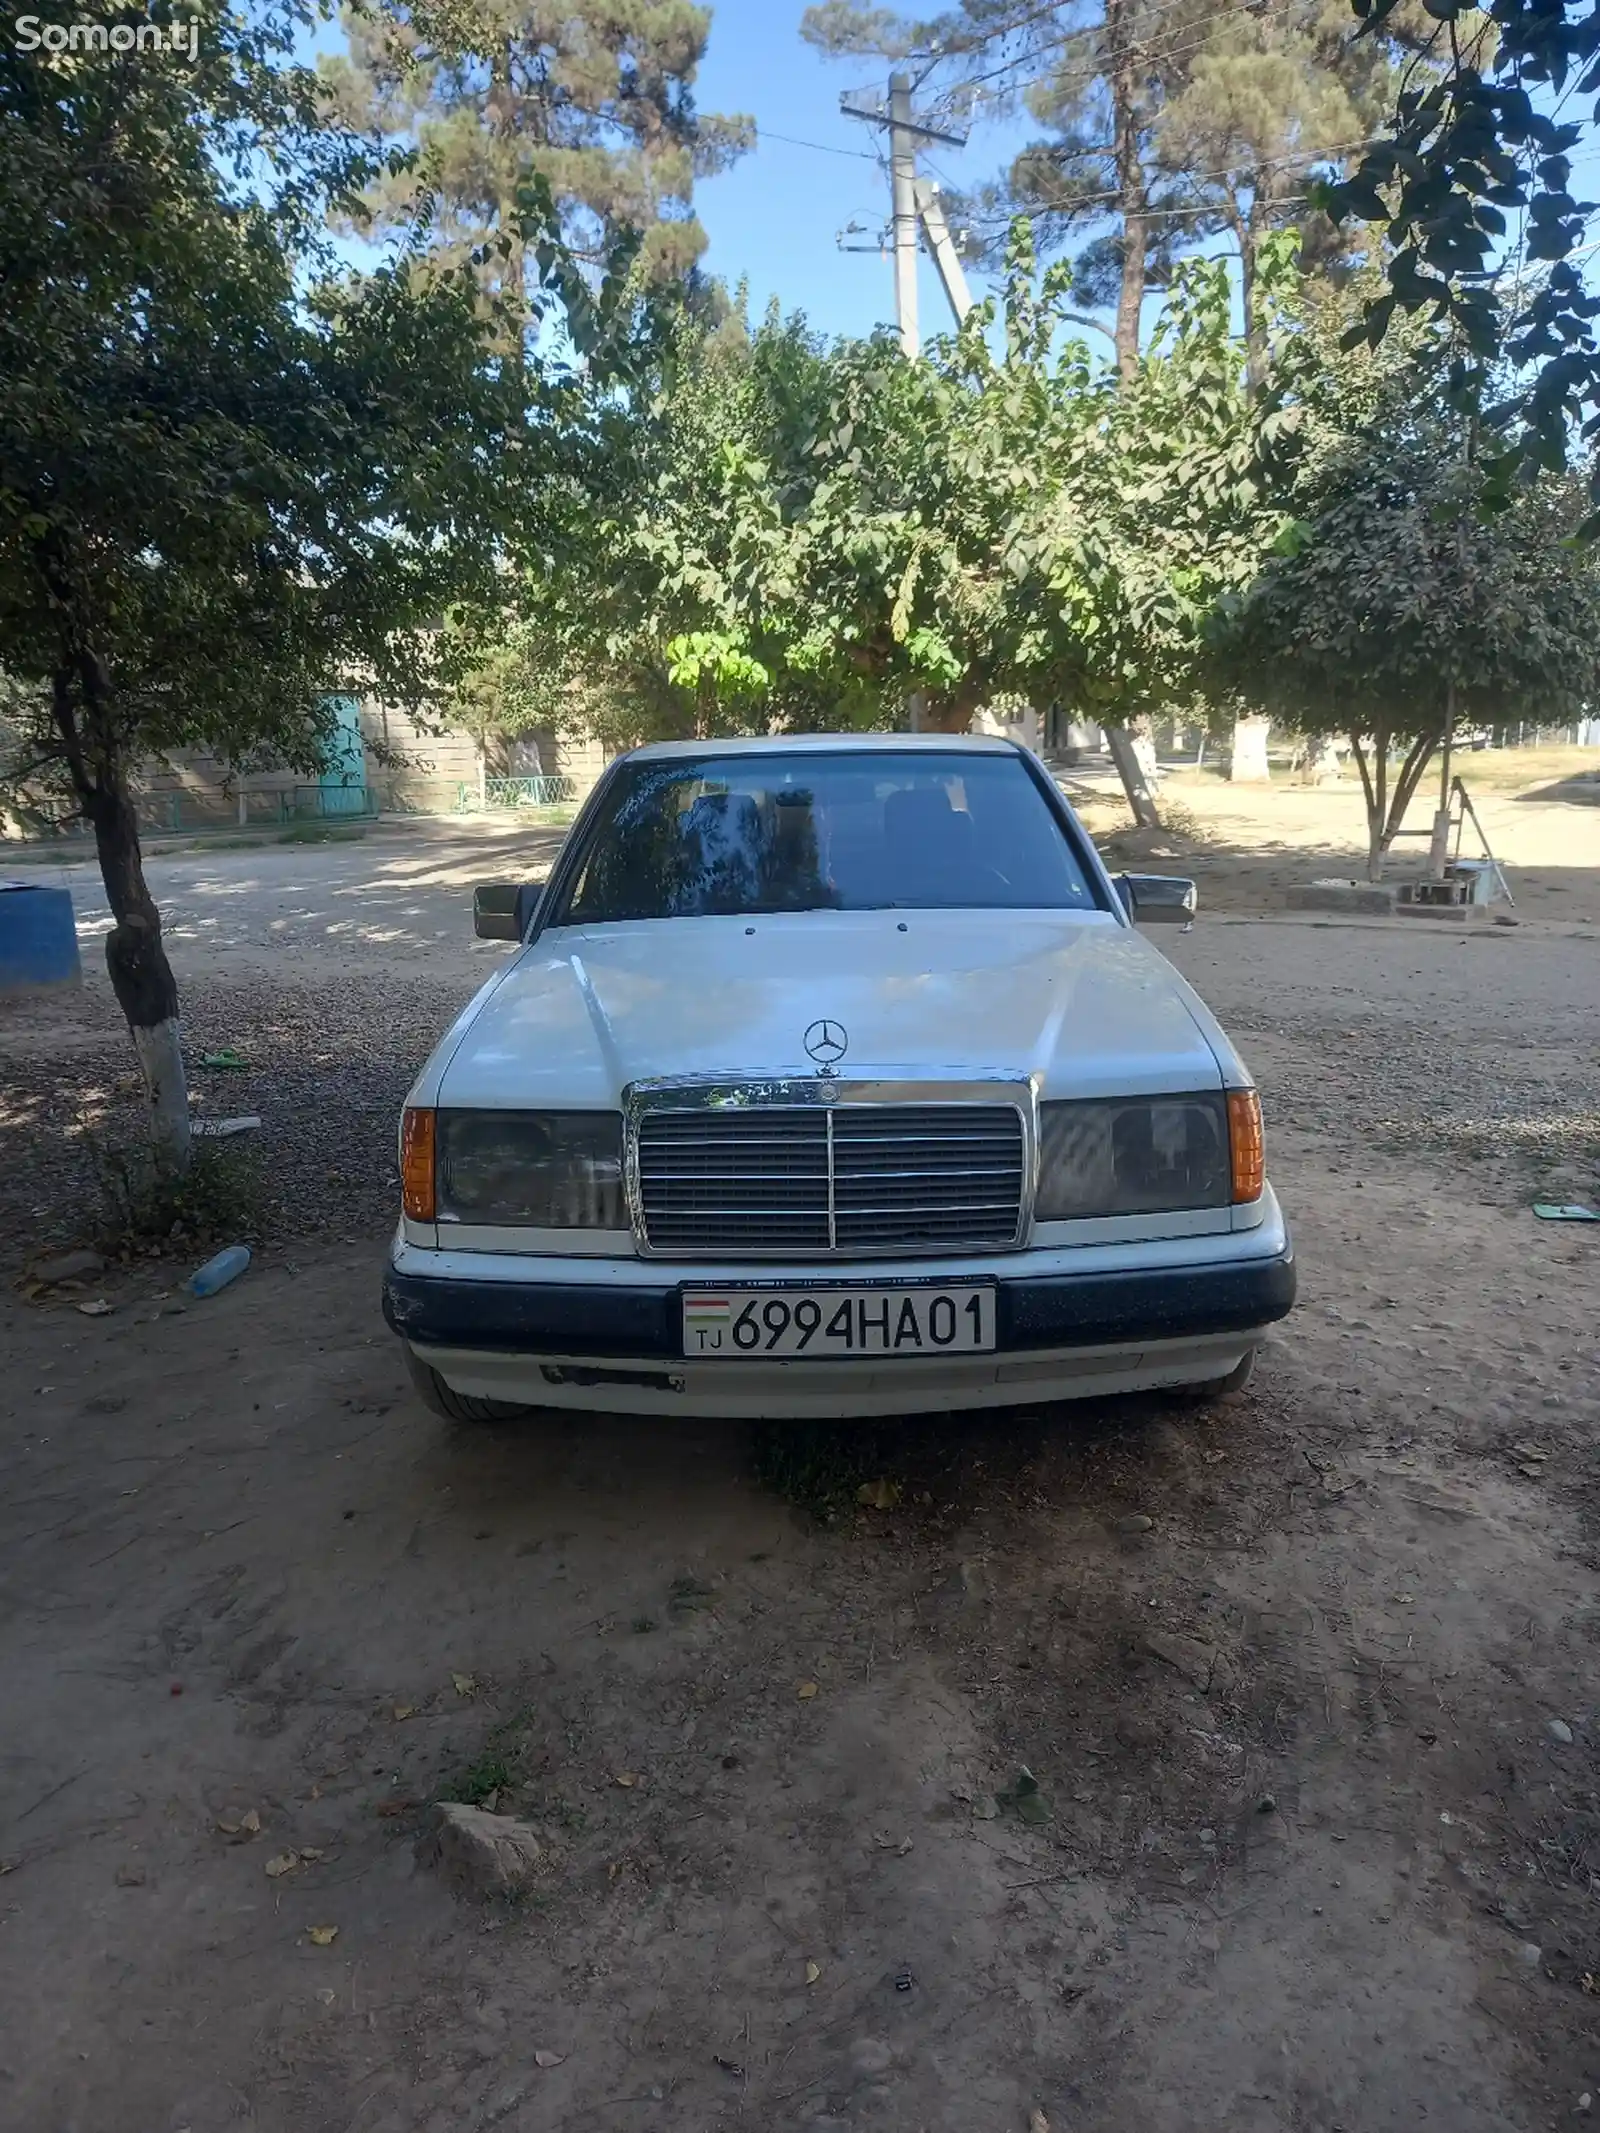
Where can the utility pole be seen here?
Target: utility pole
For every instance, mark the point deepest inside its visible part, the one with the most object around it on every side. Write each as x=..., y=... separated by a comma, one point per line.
x=908, y=195
x=903, y=192
x=942, y=245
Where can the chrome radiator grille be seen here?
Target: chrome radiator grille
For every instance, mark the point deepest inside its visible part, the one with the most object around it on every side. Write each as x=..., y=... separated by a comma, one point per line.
x=808, y=1181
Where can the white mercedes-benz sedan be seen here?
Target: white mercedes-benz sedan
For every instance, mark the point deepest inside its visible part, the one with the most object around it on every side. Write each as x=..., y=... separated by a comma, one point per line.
x=831, y=1076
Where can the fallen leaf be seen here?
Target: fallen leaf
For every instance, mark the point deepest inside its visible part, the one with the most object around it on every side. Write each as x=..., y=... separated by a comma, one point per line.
x=1037, y=2122
x=806, y=1691
x=322, y=1936
x=98, y=1309
x=327, y=1995
x=627, y=1779
x=728, y=2066
x=250, y=1823
x=813, y=1972
x=389, y=1809
x=880, y=1495
x=403, y=1711
x=282, y=1863
x=464, y=1684
x=546, y=2060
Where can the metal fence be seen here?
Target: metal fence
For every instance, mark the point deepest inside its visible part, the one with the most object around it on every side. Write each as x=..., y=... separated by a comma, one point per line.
x=516, y=792
x=179, y=810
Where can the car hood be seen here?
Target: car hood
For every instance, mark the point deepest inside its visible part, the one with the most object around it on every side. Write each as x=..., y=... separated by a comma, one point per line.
x=1080, y=1002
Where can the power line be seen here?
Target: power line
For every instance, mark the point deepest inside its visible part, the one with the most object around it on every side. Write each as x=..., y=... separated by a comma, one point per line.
x=1238, y=7
x=765, y=133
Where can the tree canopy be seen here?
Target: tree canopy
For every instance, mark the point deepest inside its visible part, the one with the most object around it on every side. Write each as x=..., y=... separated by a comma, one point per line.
x=817, y=535
x=1392, y=609
x=1162, y=126
x=595, y=100
x=232, y=479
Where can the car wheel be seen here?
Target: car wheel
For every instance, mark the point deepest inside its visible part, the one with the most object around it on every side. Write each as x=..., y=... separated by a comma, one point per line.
x=451, y=1406
x=1219, y=1388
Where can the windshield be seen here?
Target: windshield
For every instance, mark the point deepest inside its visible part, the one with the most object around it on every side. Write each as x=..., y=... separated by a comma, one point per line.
x=857, y=831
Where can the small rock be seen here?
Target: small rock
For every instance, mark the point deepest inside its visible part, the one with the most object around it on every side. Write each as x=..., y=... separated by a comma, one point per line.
x=1266, y=1805
x=1585, y=2102
x=480, y=1854
x=1134, y=1730
x=130, y=1877
x=70, y=1266
x=1197, y=1662
x=1530, y=1953
x=1559, y=1730
x=1135, y=1522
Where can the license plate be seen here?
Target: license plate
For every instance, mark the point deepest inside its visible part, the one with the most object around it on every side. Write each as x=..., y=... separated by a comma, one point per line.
x=725, y=1324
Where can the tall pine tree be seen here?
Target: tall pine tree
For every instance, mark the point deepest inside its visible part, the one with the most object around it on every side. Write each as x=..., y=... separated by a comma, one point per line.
x=593, y=96
x=1164, y=123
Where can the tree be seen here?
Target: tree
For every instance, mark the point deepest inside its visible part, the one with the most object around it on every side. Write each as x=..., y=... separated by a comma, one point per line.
x=227, y=487
x=814, y=535
x=594, y=99
x=1165, y=123
x=1394, y=607
x=1468, y=150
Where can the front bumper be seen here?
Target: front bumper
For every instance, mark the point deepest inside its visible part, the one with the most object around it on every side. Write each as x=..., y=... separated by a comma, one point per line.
x=607, y=1335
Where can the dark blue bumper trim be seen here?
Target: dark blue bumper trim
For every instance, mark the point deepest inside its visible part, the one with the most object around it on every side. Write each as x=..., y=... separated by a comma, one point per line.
x=1068, y=1311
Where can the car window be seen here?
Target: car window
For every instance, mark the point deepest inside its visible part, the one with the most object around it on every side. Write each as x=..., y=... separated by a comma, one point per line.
x=847, y=832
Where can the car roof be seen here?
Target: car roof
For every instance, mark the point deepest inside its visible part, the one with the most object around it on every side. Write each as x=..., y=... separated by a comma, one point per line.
x=826, y=744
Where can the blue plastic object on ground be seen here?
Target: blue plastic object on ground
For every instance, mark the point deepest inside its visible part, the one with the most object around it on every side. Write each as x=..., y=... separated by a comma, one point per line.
x=38, y=938
x=218, y=1272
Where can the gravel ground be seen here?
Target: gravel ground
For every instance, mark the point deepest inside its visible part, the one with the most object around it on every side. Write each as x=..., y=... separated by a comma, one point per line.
x=1306, y=1681
x=333, y=971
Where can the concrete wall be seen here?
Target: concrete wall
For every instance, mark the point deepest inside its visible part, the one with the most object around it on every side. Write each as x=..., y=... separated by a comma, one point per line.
x=438, y=764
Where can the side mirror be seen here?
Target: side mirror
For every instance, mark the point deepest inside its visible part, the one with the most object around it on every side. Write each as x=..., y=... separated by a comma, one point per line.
x=503, y=910
x=1157, y=899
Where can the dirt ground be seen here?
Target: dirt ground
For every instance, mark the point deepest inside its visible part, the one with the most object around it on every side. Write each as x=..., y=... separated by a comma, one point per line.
x=1317, y=1747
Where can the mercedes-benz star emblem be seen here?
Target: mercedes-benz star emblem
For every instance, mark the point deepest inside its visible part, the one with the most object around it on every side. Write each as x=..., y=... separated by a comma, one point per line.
x=827, y=1043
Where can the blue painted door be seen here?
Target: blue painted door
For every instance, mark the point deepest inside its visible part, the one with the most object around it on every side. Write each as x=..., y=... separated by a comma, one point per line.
x=344, y=761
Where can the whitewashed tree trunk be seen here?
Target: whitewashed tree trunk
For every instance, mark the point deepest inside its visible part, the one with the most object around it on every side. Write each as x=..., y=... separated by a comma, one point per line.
x=1249, y=765
x=160, y=1052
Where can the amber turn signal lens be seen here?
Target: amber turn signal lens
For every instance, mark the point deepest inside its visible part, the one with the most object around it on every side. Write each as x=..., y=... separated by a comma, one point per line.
x=1245, y=1140
x=416, y=1166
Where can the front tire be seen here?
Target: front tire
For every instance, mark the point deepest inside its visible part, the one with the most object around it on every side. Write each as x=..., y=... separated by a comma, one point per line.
x=451, y=1406
x=1213, y=1389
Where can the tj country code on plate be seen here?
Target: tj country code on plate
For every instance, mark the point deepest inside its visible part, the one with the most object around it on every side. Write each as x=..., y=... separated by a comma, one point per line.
x=729, y=1323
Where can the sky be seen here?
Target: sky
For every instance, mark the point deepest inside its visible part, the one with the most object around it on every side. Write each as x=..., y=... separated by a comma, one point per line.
x=776, y=215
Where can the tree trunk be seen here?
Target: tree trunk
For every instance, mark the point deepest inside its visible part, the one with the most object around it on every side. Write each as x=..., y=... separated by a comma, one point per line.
x=1374, y=788
x=1140, y=798
x=136, y=959
x=1248, y=764
x=1122, y=77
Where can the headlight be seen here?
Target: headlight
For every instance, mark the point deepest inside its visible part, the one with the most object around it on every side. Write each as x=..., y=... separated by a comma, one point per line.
x=1132, y=1155
x=535, y=1169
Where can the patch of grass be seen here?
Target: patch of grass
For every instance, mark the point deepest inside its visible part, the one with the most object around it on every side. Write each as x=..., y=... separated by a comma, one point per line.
x=481, y=1780
x=147, y=1208
x=818, y=1466
x=323, y=833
